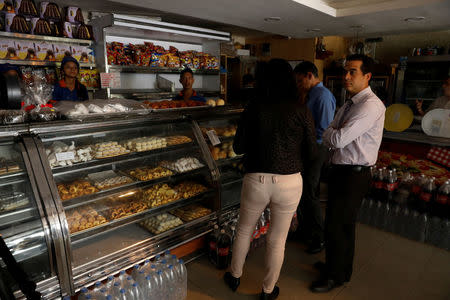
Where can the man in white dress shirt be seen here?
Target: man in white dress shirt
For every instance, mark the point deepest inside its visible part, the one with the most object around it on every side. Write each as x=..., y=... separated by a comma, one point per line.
x=354, y=138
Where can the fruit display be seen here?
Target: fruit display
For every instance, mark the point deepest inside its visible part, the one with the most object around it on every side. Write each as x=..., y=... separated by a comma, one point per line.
x=146, y=143
x=149, y=54
x=112, y=182
x=83, y=218
x=191, y=212
x=161, y=223
x=178, y=140
x=109, y=149
x=149, y=173
x=408, y=163
x=170, y=104
x=8, y=166
x=184, y=164
x=160, y=194
x=223, y=151
x=189, y=189
x=75, y=189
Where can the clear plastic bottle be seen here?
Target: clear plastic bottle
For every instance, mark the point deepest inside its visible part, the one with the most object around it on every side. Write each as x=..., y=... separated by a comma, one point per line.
x=109, y=283
x=115, y=290
x=136, y=291
x=183, y=278
x=160, y=285
x=171, y=259
x=427, y=195
x=404, y=190
x=121, y=278
x=123, y=295
x=135, y=271
x=170, y=282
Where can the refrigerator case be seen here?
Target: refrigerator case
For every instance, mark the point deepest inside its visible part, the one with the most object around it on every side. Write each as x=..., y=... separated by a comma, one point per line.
x=23, y=225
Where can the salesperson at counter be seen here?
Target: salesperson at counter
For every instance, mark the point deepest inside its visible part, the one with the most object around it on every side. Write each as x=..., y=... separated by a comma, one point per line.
x=69, y=88
x=187, y=80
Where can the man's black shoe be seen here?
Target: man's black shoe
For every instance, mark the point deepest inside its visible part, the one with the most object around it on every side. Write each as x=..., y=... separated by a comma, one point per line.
x=324, y=285
x=231, y=281
x=271, y=296
x=315, y=247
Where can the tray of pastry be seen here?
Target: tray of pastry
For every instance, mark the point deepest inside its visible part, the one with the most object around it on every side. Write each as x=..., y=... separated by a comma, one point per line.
x=13, y=201
x=183, y=164
x=191, y=212
x=148, y=173
x=8, y=167
x=161, y=223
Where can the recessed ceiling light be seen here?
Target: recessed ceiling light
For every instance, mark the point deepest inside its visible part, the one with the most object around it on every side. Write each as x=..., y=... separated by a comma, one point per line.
x=312, y=29
x=414, y=19
x=272, y=19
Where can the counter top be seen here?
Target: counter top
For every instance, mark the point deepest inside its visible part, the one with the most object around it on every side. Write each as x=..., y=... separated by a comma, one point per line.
x=416, y=136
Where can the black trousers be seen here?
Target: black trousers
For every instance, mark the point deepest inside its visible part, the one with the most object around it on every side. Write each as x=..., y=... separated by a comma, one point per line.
x=346, y=188
x=309, y=212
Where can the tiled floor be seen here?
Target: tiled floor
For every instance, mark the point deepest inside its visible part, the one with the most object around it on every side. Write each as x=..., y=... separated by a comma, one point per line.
x=387, y=266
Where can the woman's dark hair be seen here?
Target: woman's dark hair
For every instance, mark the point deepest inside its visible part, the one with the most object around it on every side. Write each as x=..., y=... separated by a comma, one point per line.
x=275, y=81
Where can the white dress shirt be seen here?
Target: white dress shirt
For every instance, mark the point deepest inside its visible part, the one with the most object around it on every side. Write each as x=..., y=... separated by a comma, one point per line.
x=356, y=132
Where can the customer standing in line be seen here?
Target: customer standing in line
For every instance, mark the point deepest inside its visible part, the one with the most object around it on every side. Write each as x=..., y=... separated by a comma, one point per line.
x=354, y=137
x=322, y=105
x=275, y=134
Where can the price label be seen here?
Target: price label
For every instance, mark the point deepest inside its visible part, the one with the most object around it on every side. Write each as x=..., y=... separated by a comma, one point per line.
x=212, y=135
x=110, y=80
x=65, y=156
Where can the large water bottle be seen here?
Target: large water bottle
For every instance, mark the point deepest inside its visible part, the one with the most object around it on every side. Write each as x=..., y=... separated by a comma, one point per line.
x=109, y=283
x=122, y=277
x=182, y=273
x=146, y=266
x=135, y=271
x=160, y=288
x=83, y=291
x=172, y=259
x=115, y=290
x=170, y=282
x=99, y=294
x=123, y=295
x=97, y=287
x=137, y=292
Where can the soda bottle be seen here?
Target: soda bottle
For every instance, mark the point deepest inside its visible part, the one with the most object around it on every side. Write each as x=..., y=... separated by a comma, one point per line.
x=404, y=189
x=378, y=185
x=223, y=249
x=441, y=203
x=255, y=236
x=212, y=245
x=427, y=195
x=416, y=189
x=390, y=186
x=263, y=229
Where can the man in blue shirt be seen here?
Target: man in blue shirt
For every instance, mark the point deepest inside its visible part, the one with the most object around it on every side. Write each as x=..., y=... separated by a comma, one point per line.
x=322, y=105
x=188, y=93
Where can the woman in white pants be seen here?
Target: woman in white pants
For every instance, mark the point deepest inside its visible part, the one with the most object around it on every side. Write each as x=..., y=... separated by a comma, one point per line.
x=276, y=133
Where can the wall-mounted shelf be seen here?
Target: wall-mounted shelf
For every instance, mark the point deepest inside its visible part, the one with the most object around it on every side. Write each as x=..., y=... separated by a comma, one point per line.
x=24, y=36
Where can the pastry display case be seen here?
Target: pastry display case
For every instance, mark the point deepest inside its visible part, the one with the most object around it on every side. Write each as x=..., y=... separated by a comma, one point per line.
x=82, y=200
x=23, y=226
x=219, y=131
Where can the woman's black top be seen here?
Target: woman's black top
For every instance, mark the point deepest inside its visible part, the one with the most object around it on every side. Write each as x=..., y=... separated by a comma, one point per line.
x=275, y=137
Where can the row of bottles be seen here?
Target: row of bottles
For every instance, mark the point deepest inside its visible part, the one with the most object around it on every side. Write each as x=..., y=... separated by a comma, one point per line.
x=412, y=207
x=220, y=241
x=419, y=193
x=163, y=278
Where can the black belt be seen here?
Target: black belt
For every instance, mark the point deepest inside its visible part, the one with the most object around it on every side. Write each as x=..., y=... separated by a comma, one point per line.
x=356, y=168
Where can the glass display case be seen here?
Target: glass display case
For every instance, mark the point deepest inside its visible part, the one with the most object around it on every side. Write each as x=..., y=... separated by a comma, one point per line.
x=82, y=200
x=126, y=187
x=22, y=225
x=219, y=131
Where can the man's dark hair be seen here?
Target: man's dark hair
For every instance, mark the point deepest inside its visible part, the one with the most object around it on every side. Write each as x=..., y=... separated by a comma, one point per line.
x=186, y=70
x=306, y=66
x=367, y=62
x=275, y=81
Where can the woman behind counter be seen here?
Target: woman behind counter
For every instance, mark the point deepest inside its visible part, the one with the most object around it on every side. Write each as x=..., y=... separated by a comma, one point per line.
x=69, y=88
